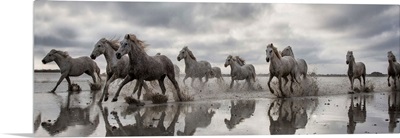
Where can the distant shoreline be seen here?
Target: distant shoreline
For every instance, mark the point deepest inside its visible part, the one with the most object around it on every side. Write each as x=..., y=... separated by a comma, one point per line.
x=46, y=70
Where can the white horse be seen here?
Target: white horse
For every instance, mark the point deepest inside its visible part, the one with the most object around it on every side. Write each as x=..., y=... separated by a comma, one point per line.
x=194, y=68
x=356, y=69
x=393, y=68
x=246, y=72
x=72, y=66
x=145, y=67
x=280, y=67
x=116, y=68
x=302, y=64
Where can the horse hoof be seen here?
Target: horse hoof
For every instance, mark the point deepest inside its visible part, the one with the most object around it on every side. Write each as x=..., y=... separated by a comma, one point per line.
x=105, y=99
x=114, y=100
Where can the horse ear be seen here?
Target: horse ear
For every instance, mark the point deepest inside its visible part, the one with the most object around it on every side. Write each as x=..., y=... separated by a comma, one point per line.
x=126, y=36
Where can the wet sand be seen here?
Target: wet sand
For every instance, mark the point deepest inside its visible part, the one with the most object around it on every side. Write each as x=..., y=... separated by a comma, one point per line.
x=216, y=110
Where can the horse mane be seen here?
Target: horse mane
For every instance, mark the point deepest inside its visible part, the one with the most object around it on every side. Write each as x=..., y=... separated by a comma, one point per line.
x=139, y=42
x=190, y=53
x=275, y=50
x=114, y=43
x=240, y=60
x=62, y=53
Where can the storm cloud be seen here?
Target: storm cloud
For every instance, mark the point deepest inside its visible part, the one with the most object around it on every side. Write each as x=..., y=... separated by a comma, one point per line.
x=319, y=33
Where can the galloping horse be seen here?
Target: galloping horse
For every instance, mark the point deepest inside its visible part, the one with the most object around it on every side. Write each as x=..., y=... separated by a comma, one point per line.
x=280, y=67
x=145, y=67
x=194, y=68
x=393, y=68
x=302, y=64
x=245, y=72
x=116, y=68
x=356, y=69
x=72, y=66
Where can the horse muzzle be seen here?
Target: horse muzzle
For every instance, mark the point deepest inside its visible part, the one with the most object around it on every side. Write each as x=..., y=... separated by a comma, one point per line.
x=118, y=55
x=92, y=56
x=178, y=58
x=226, y=65
x=44, y=62
x=347, y=62
x=267, y=59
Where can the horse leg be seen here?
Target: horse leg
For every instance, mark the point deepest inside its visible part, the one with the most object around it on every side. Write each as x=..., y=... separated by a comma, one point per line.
x=286, y=80
x=359, y=79
x=352, y=82
x=280, y=86
x=127, y=79
x=249, y=83
x=291, y=84
x=59, y=81
x=161, y=83
x=105, y=90
x=140, y=89
x=175, y=83
x=191, y=84
x=394, y=81
x=231, y=83
x=69, y=82
x=388, y=80
x=184, y=79
x=363, y=79
x=269, y=84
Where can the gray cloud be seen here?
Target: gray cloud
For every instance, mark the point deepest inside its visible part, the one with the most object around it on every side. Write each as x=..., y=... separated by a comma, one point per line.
x=320, y=34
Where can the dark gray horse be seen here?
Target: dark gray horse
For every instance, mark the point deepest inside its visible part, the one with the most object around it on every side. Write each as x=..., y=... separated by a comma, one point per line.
x=116, y=68
x=393, y=69
x=145, y=67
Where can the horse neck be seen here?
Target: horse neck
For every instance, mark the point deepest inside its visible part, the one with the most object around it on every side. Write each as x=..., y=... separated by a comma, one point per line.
x=189, y=61
x=109, y=54
x=291, y=54
x=136, y=54
x=352, y=64
x=275, y=61
x=61, y=61
x=235, y=66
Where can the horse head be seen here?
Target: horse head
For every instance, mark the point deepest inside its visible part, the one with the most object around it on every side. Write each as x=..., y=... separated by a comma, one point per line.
x=349, y=57
x=271, y=50
x=229, y=61
x=287, y=51
x=185, y=52
x=125, y=45
x=391, y=57
x=53, y=54
x=99, y=48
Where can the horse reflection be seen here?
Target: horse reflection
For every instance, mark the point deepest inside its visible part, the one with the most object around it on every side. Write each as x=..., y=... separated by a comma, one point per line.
x=139, y=128
x=200, y=117
x=357, y=114
x=74, y=116
x=292, y=115
x=241, y=110
x=393, y=111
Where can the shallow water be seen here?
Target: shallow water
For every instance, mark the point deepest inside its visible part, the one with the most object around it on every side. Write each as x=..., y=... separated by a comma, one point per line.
x=216, y=111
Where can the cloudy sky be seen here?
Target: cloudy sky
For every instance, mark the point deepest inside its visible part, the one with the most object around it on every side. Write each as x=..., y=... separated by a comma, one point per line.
x=321, y=34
